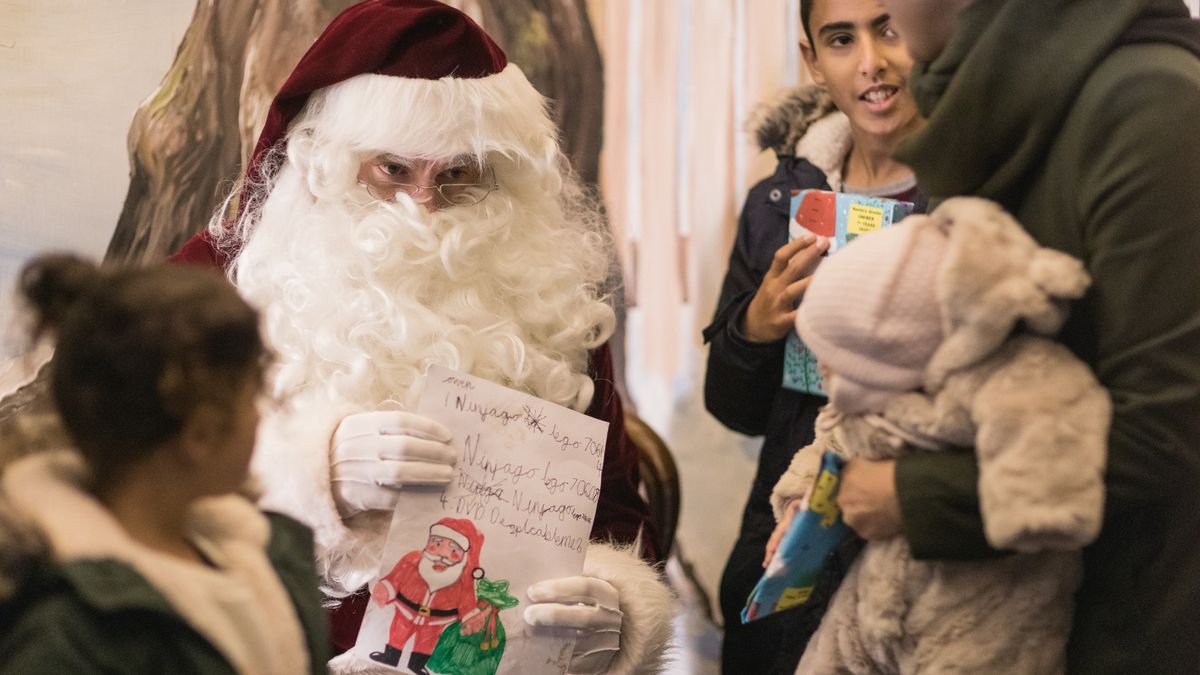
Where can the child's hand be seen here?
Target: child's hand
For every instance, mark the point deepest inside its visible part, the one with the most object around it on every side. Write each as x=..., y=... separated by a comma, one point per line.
x=789, y=513
x=772, y=311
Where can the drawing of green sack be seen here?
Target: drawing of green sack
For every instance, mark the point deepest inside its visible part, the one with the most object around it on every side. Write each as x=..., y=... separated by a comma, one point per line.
x=477, y=653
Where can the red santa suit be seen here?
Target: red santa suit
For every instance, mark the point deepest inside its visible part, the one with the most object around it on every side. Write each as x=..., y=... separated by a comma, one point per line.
x=422, y=612
x=451, y=45
x=414, y=44
x=425, y=612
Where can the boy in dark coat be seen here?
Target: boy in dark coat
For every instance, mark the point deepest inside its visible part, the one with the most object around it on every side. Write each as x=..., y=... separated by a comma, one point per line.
x=838, y=135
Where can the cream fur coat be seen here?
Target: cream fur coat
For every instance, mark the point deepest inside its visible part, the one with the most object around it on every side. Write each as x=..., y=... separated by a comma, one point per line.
x=1038, y=421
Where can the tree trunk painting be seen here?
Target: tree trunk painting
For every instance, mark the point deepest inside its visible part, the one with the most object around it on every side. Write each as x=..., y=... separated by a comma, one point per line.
x=188, y=142
x=553, y=43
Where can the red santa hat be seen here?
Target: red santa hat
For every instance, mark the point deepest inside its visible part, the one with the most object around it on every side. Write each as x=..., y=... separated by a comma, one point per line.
x=392, y=62
x=410, y=39
x=462, y=532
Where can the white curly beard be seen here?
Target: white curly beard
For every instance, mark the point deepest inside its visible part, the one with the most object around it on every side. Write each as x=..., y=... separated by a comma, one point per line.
x=360, y=296
x=438, y=579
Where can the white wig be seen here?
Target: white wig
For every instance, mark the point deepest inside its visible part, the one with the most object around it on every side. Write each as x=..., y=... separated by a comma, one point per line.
x=361, y=296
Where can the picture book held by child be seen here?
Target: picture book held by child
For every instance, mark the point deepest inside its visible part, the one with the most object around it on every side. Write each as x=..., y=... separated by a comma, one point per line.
x=815, y=531
x=935, y=335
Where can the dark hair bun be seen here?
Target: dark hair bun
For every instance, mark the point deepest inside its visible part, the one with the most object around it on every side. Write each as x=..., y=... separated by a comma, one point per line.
x=54, y=284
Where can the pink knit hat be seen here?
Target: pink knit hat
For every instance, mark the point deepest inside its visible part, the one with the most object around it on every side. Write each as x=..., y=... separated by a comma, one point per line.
x=871, y=315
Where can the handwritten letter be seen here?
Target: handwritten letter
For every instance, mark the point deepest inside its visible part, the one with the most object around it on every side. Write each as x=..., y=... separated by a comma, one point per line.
x=528, y=480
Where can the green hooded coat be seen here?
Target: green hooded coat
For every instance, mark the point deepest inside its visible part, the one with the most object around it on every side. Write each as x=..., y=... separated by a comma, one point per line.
x=102, y=616
x=1090, y=137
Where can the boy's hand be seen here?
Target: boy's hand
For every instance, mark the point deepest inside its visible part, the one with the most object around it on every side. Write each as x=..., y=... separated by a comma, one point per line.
x=772, y=312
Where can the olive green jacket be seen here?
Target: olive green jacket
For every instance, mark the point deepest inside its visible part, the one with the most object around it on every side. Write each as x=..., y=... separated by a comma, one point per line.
x=101, y=616
x=1092, y=141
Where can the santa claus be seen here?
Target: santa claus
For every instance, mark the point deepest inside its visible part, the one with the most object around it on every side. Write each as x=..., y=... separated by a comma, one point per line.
x=431, y=589
x=407, y=204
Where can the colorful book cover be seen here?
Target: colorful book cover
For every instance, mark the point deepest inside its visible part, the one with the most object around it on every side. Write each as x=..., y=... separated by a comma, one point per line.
x=814, y=533
x=840, y=217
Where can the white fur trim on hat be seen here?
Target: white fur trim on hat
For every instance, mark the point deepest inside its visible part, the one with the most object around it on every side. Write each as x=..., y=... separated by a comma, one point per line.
x=446, y=532
x=500, y=114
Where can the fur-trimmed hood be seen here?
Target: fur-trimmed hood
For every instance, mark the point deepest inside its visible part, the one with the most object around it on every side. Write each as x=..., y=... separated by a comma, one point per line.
x=779, y=125
x=239, y=605
x=22, y=549
x=803, y=122
x=22, y=545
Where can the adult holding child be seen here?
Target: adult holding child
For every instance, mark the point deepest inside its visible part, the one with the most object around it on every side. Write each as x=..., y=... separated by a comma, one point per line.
x=1079, y=117
x=838, y=135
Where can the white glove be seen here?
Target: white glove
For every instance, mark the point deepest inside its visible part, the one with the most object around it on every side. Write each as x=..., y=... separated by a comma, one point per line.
x=374, y=454
x=590, y=606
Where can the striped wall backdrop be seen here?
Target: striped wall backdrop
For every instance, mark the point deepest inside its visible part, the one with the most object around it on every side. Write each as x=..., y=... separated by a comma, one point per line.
x=681, y=79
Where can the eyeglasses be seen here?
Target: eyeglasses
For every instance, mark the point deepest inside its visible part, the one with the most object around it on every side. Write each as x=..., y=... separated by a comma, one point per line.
x=458, y=184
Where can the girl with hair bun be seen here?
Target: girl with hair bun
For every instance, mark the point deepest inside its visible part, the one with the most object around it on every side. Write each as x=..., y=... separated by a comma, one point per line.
x=134, y=552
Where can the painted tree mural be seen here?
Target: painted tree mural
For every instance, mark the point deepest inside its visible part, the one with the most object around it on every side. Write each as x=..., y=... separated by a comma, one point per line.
x=188, y=142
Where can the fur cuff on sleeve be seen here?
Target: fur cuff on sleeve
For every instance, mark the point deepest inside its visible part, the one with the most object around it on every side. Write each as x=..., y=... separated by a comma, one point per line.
x=647, y=603
x=798, y=478
x=291, y=465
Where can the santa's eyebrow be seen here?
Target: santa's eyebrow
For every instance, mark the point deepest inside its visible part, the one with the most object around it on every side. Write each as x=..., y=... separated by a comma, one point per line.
x=456, y=161
x=388, y=158
x=461, y=160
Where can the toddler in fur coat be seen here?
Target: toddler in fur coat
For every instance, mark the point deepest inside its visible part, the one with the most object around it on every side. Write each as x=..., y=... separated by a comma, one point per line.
x=933, y=335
